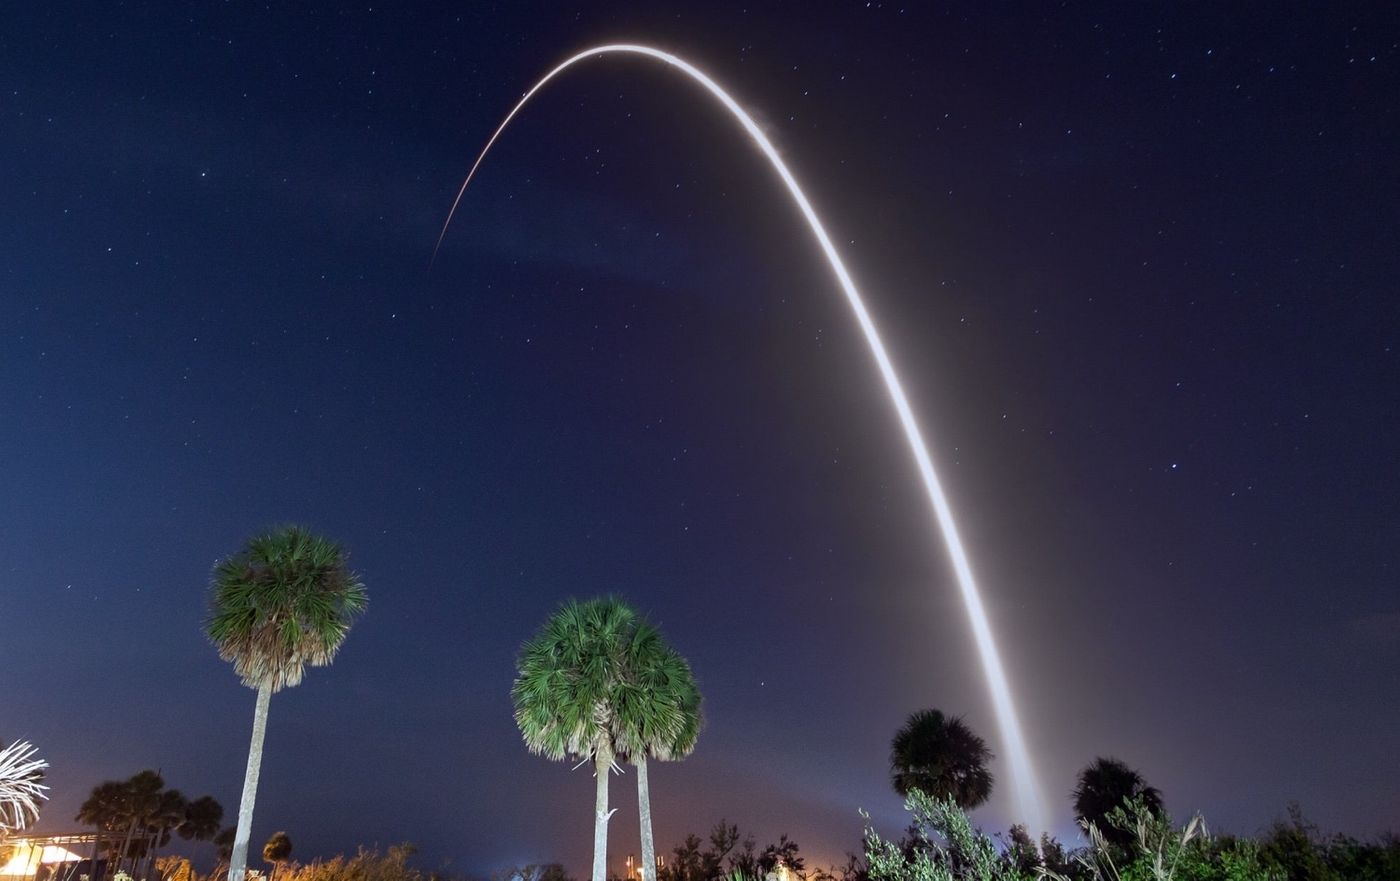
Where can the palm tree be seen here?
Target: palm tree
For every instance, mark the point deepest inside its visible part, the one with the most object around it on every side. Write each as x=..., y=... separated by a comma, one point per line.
x=658, y=716
x=941, y=756
x=166, y=816
x=565, y=694
x=223, y=843
x=1106, y=784
x=139, y=801
x=277, y=851
x=285, y=601
x=203, y=818
x=21, y=786
x=104, y=809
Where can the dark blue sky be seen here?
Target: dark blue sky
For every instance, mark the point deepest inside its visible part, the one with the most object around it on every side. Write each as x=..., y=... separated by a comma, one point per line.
x=1137, y=266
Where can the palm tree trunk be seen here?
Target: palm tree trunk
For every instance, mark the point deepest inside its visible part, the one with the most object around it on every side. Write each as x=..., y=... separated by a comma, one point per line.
x=644, y=812
x=602, y=768
x=95, y=875
x=126, y=845
x=145, y=858
x=151, y=854
x=238, y=863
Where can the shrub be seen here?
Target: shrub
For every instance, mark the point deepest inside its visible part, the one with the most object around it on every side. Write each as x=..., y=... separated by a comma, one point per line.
x=366, y=865
x=942, y=846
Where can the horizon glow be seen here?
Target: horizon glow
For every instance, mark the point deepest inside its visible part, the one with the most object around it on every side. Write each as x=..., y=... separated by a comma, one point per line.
x=1023, y=777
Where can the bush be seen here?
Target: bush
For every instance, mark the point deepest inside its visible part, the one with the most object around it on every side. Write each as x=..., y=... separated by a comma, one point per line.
x=366, y=865
x=1154, y=850
x=1299, y=852
x=942, y=846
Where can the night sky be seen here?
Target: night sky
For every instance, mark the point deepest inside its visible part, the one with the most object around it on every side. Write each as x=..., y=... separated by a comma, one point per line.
x=1138, y=266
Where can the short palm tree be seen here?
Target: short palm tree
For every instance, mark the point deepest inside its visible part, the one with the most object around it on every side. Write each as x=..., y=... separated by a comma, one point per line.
x=203, y=818
x=223, y=845
x=1106, y=784
x=285, y=601
x=21, y=786
x=277, y=851
x=941, y=756
x=657, y=716
x=565, y=693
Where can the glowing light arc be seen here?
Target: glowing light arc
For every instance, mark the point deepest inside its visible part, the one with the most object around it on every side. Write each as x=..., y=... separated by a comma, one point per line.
x=1022, y=772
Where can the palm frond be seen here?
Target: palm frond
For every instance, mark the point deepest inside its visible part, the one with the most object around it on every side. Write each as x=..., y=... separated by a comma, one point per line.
x=284, y=602
x=21, y=788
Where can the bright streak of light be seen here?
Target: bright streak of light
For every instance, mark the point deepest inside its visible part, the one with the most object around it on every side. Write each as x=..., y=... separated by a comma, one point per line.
x=1022, y=772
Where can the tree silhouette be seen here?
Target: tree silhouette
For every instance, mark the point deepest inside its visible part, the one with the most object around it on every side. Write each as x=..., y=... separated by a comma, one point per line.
x=223, y=844
x=1106, y=784
x=166, y=816
x=942, y=757
x=277, y=851
x=203, y=818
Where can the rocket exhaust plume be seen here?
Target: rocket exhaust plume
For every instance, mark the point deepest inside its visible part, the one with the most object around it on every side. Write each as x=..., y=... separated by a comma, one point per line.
x=1022, y=774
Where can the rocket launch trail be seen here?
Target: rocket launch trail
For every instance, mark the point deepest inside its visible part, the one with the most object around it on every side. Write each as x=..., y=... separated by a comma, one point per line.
x=1022, y=774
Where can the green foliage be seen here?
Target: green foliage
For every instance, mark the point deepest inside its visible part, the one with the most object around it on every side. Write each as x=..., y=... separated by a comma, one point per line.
x=599, y=676
x=1297, y=851
x=285, y=601
x=565, y=691
x=657, y=702
x=1154, y=850
x=940, y=755
x=943, y=847
x=1364, y=861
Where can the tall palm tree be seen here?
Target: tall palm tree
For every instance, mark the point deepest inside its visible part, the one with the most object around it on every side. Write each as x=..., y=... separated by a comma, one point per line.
x=941, y=756
x=565, y=695
x=285, y=601
x=658, y=716
x=1106, y=784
